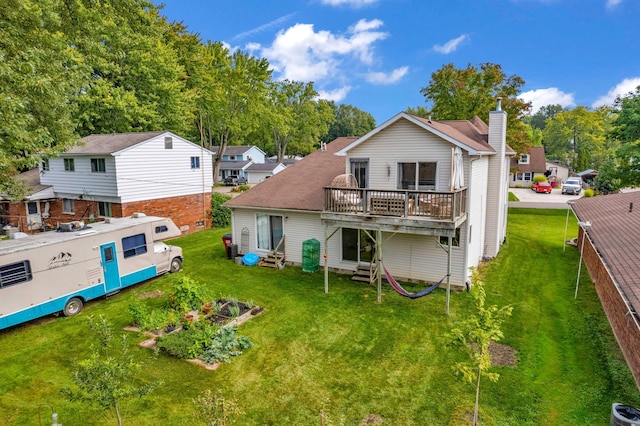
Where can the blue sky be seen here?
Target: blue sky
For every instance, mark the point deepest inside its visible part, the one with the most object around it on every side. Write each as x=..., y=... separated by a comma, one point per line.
x=377, y=54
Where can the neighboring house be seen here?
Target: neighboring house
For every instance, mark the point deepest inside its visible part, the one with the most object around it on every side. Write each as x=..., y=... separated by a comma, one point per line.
x=588, y=176
x=526, y=166
x=557, y=171
x=237, y=159
x=612, y=257
x=406, y=209
x=34, y=211
x=257, y=172
x=116, y=175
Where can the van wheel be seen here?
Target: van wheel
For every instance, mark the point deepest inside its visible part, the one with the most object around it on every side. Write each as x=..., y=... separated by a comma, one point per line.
x=73, y=307
x=176, y=265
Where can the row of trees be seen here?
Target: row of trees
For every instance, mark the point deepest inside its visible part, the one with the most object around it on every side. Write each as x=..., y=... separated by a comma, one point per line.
x=70, y=68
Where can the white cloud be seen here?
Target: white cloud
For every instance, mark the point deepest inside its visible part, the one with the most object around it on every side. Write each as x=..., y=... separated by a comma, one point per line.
x=549, y=96
x=302, y=54
x=624, y=87
x=613, y=3
x=387, y=78
x=350, y=3
x=335, y=95
x=451, y=45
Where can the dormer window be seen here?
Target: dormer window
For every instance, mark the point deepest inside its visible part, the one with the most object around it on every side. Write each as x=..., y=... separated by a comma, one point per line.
x=524, y=159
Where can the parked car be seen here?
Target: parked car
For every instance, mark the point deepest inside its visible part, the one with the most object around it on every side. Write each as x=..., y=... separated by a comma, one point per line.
x=542, y=187
x=234, y=180
x=572, y=185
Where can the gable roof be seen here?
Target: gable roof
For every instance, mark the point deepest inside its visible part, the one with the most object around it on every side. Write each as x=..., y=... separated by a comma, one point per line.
x=264, y=167
x=105, y=144
x=470, y=135
x=303, y=181
x=615, y=232
x=236, y=149
x=537, y=162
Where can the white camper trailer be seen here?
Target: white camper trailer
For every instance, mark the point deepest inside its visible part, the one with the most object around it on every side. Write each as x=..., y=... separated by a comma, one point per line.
x=58, y=271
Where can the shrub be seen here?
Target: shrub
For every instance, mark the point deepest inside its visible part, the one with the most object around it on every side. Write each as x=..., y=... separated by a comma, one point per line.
x=539, y=178
x=220, y=216
x=139, y=312
x=188, y=295
x=588, y=192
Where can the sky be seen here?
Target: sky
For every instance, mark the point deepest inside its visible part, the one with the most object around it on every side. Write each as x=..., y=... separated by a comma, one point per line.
x=378, y=54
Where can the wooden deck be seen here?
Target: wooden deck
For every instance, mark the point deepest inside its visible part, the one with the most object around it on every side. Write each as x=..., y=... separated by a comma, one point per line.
x=407, y=204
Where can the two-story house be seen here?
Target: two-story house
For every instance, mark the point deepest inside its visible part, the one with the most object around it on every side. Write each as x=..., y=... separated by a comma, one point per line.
x=404, y=205
x=116, y=175
x=248, y=161
x=527, y=166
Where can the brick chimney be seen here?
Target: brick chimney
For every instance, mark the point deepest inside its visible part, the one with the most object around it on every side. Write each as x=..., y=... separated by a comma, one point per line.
x=497, y=182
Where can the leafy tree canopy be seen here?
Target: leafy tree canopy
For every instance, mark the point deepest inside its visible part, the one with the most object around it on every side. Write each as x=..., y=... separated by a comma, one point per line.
x=349, y=121
x=539, y=119
x=461, y=94
x=626, y=130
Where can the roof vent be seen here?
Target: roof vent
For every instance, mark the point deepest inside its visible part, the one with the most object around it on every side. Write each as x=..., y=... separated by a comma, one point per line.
x=630, y=207
x=137, y=215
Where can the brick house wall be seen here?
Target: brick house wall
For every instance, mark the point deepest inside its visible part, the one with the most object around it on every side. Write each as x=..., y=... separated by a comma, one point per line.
x=190, y=213
x=625, y=324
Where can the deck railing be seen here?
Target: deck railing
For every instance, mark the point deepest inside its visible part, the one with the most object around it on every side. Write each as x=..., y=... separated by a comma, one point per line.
x=409, y=204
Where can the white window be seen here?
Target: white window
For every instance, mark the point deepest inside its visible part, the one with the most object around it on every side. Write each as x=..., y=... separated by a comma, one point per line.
x=168, y=142
x=269, y=232
x=195, y=162
x=524, y=159
x=523, y=176
x=68, y=205
x=98, y=165
x=69, y=165
x=45, y=164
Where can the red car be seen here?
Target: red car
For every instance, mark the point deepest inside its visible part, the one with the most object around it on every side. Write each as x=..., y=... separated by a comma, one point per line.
x=542, y=187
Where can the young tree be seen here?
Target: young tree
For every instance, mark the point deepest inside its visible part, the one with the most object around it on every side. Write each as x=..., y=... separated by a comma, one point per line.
x=461, y=94
x=475, y=334
x=626, y=130
x=108, y=377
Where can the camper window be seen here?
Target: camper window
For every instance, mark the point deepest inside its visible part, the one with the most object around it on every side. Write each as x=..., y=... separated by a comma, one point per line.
x=134, y=245
x=161, y=228
x=15, y=273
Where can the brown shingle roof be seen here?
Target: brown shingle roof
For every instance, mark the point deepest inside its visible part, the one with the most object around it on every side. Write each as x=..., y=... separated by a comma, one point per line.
x=110, y=143
x=299, y=186
x=537, y=162
x=473, y=133
x=615, y=232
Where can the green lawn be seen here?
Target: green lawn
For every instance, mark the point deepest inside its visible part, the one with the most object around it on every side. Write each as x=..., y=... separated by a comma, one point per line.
x=349, y=356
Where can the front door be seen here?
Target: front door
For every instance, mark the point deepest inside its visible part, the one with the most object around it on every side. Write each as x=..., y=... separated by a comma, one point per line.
x=110, y=267
x=34, y=219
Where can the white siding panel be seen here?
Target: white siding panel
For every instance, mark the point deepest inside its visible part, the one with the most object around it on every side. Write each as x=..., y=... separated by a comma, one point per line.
x=149, y=171
x=82, y=180
x=403, y=142
x=477, y=208
x=408, y=257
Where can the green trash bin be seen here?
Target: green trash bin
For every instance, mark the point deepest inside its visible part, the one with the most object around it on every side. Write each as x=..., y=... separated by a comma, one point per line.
x=311, y=255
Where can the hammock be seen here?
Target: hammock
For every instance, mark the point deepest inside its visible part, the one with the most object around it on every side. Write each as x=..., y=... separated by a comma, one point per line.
x=402, y=292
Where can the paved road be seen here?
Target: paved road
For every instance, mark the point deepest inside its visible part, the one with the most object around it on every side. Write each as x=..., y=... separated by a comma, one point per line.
x=531, y=199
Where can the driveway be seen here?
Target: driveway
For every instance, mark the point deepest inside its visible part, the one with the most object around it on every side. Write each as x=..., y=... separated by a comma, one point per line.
x=531, y=199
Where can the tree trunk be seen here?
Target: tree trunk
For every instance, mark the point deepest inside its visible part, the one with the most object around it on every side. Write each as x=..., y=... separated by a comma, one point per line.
x=118, y=415
x=475, y=410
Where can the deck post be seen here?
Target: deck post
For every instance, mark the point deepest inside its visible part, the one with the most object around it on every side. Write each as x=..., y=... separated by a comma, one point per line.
x=448, y=274
x=326, y=262
x=379, y=263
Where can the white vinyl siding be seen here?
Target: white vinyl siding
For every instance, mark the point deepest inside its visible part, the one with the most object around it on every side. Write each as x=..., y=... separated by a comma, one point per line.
x=406, y=256
x=403, y=142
